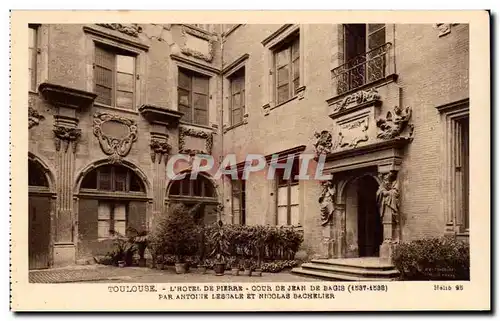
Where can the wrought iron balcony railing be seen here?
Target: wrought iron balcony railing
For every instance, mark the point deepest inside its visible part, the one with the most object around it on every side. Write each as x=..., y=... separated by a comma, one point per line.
x=362, y=69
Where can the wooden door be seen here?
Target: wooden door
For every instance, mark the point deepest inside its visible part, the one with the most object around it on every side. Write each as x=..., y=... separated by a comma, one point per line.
x=39, y=232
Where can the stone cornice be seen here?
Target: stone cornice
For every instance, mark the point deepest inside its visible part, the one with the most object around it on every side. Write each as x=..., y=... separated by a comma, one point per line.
x=275, y=34
x=160, y=115
x=283, y=155
x=235, y=63
x=62, y=96
x=127, y=41
x=382, y=145
x=210, y=69
x=454, y=106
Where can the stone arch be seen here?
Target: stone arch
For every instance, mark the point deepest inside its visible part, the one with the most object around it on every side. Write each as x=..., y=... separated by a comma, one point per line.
x=90, y=167
x=47, y=170
x=344, y=183
x=187, y=171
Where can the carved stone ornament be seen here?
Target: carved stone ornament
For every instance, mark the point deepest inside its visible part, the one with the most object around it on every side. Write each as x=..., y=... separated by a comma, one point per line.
x=356, y=98
x=356, y=132
x=323, y=143
x=327, y=201
x=34, y=117
x=117, y=143
x=208, y=57
x=129, y=29
x=444, y=28
x=183, y=132
x=395, y=123
x=388, y=196
x=159, y=149
x=67, y=135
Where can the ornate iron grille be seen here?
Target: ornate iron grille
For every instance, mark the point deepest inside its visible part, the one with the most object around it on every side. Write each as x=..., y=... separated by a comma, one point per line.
x=363, y=69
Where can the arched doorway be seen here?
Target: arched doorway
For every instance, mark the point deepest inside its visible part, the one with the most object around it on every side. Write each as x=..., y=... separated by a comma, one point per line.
x=364, y=230
x=40, y=206
x=191, y=192
x=112, y=201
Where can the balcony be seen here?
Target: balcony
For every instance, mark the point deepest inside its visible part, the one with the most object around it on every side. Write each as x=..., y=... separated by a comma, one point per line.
x=364, y=69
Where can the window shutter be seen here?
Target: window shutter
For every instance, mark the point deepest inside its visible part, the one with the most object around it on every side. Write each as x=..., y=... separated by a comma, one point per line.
x=103, y=75
x=87, y=219
x=200, y=100
x=296, y=65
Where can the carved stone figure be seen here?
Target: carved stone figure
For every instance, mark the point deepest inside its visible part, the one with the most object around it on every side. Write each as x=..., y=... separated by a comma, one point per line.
x=327, y=202
x=394, y=123
x=116, y=147
x=67, y=135
x=323, y=143
x=34, y=117
x=388, y=197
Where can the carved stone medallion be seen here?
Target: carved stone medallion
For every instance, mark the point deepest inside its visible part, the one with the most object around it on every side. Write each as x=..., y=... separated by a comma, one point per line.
x=191, y=132
x=116, y=134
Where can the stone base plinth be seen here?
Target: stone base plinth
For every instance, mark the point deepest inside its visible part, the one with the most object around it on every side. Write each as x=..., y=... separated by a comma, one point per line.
x=64, y=255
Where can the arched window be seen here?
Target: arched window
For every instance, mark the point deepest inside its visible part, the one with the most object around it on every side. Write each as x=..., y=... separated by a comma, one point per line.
x=113, y=178
x=112, y=200
x=196, y=191
x=36, y=175
x=201, y=187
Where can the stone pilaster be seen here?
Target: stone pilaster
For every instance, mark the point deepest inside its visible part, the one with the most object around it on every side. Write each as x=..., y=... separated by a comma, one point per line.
x=68, y=102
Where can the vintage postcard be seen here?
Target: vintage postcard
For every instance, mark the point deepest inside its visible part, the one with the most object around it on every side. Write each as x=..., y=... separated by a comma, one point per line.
x=260, y=161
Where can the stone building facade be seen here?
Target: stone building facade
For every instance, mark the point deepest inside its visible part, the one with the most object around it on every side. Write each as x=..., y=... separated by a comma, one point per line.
x=386, y=105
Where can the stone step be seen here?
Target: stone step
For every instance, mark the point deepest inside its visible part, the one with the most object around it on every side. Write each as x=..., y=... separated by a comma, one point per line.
x=329, y=276
x=352, y=271
x=372, y=265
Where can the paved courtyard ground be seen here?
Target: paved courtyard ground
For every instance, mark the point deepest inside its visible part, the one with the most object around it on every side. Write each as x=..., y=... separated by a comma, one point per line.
x=111, y=274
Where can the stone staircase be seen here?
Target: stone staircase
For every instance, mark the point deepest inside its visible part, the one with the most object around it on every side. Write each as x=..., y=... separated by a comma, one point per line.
x=349, y=269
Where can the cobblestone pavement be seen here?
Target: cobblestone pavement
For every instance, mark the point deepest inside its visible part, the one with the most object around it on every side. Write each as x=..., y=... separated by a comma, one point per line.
x=110, y=274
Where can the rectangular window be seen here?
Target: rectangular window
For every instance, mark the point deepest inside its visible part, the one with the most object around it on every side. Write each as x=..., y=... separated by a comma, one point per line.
x=193, y=97
x=287, y=69
x=33, y=54
x=364, y=55
x=238, y=201
x=114, y=77
x=112, y=218
x=237, y=96
x=287, y=197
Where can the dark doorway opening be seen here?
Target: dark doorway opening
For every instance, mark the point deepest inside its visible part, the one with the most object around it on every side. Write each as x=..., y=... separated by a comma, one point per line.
x=370, y=231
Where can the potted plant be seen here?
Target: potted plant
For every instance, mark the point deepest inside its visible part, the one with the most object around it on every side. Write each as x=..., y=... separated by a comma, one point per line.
x=235, y=267
x=180, y=236
x=160, y=262
x=123, y=250
x=247, y=267
x=140, y=239
x=220, y=247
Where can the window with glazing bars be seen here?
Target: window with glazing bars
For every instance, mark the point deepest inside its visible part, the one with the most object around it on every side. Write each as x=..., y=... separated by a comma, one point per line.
x=33, y=55
x=114, y=77
x=193, y=97
x=287, y=69
x=237, y=96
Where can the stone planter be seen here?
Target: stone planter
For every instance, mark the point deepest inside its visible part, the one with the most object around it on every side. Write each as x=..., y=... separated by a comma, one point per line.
x=181, y=268
x=219, y=268
x=257, y=272
x=235, y=271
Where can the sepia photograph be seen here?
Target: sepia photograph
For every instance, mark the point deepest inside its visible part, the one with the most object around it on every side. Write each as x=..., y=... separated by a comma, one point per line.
x=218, y=161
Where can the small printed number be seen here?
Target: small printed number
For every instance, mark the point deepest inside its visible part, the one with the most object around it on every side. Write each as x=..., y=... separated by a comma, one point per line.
x=459, y=287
